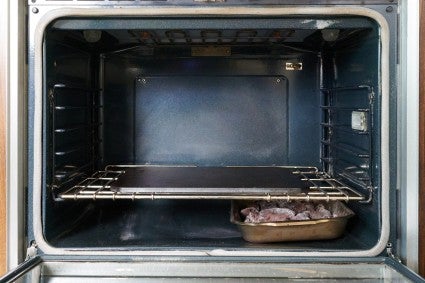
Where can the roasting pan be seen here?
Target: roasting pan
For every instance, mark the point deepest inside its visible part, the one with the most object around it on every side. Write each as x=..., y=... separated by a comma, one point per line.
x=301, y=230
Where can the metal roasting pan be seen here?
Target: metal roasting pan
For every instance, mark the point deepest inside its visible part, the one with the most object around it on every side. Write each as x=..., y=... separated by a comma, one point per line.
x=302, y=230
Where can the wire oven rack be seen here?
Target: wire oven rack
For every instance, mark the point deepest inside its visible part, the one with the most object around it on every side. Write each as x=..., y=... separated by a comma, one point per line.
x=321, y=187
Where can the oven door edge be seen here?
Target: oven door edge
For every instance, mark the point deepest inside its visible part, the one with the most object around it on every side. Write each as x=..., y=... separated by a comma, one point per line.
x=38, y=269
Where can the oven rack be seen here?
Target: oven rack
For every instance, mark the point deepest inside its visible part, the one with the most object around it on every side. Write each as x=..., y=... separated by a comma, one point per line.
x=321, y=187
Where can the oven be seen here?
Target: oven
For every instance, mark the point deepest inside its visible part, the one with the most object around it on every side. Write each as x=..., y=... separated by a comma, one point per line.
x=170, y=140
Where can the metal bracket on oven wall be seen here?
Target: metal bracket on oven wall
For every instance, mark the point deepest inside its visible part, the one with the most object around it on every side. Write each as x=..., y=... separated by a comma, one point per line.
x=370, y=197
x=31, y=251
x=391, y=254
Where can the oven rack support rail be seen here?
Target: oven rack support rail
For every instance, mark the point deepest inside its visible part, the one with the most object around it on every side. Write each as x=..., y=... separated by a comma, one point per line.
x=355, y=157
x=322, y=188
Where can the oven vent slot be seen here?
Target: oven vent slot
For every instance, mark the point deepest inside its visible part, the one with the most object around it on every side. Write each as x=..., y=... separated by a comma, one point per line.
x=320, y=186
x=214, y=37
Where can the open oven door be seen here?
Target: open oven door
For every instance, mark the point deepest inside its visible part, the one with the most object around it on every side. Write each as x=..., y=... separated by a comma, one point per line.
x=380, y=269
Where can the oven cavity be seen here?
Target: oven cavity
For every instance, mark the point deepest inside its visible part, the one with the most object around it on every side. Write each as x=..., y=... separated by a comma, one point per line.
x=152, y=126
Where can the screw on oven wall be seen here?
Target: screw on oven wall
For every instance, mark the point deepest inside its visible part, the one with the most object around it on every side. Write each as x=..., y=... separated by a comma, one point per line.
x=389, y=9
x=34, y=10
x=278, y=80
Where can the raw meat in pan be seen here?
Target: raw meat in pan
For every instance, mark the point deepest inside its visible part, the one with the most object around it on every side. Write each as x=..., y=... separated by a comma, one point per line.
x=280, y=211
x=252, y=217
x=301, y=216
x=246, y=211
x=320, y=212
x=276, y=214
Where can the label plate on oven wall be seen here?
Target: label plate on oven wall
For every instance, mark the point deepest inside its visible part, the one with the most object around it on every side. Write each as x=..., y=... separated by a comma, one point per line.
x=294, y=66
x=359, y=121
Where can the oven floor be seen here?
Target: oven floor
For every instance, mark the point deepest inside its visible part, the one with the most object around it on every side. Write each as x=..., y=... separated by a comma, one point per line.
x=171, y=224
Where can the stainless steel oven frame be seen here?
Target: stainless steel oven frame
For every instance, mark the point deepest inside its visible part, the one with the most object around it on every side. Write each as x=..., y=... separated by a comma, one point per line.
x=43, y=12
x=45, y=15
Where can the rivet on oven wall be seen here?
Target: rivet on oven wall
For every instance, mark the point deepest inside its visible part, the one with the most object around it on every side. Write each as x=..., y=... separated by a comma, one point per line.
x=389, y=9
x=34, y=10
x=278, y=80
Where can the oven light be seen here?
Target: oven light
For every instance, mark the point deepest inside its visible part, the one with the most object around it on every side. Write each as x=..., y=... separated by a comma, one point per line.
x=92, y=35
x=330, y=34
